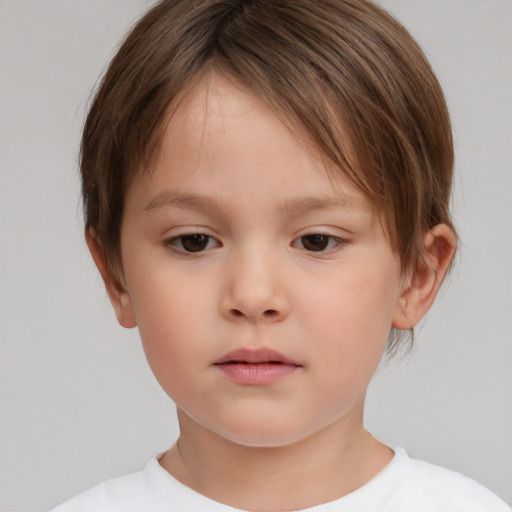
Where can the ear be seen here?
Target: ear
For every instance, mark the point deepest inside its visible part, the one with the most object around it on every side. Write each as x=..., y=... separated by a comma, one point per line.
x=116, y=288
x=421, y=286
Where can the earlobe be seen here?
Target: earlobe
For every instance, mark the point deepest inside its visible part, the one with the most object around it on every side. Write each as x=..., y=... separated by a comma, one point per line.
x=116, y=289
x=421, y=286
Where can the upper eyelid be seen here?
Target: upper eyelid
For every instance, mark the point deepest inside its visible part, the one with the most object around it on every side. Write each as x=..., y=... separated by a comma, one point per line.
x=178, y=231
x=330, y=231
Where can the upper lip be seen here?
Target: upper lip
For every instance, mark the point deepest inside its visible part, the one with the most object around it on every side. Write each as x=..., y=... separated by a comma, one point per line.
x=255, y=356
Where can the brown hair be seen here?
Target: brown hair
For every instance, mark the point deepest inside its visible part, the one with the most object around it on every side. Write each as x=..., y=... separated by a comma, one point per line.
x=324, y=65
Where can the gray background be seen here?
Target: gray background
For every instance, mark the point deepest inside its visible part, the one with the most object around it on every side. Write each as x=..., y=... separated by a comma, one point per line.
x=78, y=403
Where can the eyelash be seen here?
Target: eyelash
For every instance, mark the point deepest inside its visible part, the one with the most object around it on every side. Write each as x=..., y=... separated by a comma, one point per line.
x=332, y=243
x=199, y=238
x=328, y=243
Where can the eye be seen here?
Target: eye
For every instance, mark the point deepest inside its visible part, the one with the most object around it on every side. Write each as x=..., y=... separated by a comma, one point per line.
x=195, y=242
x=318, y=242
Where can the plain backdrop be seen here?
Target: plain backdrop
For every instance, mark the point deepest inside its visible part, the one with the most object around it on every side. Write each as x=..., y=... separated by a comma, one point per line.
x=78, y=402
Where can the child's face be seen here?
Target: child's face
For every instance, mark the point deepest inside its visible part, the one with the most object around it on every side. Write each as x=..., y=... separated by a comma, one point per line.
x=239, y=241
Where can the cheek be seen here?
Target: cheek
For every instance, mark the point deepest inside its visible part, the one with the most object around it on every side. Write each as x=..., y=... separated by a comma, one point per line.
x=164, y=302
x=350, y=319
x=170, y=316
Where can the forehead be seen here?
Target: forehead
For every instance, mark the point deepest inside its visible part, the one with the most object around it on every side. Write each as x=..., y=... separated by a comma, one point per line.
x=218, y=123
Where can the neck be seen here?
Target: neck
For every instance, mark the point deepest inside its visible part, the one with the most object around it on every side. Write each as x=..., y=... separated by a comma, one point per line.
x=323, y=467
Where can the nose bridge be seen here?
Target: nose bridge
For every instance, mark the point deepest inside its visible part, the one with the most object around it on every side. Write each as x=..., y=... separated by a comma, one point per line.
x=255, y=288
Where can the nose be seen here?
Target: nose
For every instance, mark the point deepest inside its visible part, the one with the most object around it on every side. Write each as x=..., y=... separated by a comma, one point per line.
x=254, y=289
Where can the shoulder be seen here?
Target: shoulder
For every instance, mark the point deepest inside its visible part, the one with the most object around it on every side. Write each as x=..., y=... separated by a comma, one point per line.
x=429, y=487
x=113, y=495
x=152, y=489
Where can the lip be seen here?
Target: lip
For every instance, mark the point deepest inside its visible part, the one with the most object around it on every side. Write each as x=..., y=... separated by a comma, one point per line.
x=256, y=366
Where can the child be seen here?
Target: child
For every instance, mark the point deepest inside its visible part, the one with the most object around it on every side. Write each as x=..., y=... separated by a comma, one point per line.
x=266, y=188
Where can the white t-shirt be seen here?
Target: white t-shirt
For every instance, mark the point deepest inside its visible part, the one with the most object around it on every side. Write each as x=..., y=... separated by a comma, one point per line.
x=404, y=485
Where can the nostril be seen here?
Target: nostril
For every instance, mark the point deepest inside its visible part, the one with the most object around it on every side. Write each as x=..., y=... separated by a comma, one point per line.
x=270, y=313
x=236, y=312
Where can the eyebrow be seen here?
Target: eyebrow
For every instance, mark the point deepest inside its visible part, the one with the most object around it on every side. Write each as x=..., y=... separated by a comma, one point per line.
x=181, y=200
x=293, y=206
x=302, y=205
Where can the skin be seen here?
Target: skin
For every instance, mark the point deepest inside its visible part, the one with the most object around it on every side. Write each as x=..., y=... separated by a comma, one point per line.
x=230, y=170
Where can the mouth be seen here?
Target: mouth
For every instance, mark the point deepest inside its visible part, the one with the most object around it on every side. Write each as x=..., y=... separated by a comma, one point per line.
x=256, y=366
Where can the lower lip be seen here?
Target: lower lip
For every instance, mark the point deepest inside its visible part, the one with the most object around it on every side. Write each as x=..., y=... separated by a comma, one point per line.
x=257, y=373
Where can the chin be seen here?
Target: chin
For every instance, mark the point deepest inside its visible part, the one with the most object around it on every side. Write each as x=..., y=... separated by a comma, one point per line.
x=257, y=435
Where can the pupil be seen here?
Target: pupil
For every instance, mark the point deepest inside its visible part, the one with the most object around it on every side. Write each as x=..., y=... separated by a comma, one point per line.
x=194, y=243
x=315, y=242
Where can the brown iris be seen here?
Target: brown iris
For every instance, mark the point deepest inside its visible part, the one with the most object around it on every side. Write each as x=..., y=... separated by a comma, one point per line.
x=194, y=243
x=315, y=242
